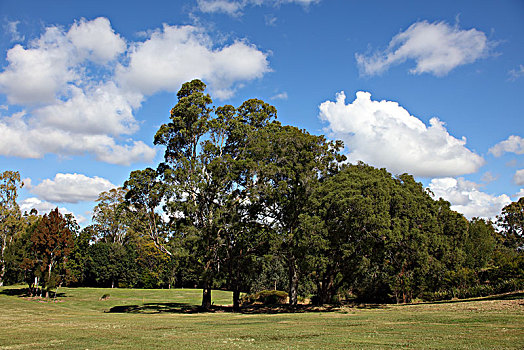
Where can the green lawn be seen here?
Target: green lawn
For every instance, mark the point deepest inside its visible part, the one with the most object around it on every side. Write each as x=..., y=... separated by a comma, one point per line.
x=164, y=319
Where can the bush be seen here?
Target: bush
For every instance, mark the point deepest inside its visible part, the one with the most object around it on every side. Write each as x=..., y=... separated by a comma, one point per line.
x=266, y=297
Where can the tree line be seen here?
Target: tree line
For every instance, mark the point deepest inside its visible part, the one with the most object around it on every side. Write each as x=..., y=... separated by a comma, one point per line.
x=244, y=203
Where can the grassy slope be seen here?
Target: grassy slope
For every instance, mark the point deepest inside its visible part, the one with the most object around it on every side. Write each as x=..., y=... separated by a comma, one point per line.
x=165, y=319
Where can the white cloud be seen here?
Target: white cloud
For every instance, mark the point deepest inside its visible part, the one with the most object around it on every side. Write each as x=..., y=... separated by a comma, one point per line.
x=38, y=73
x=436, y=48
x=384, y=134
x=44, y=207
x=235, y=7
x=96, y=39
x=519, y=194
x=12, y=28
x=81, y=87
x=466, y=198
x=27, y=139
x=176, y=54
x=95, y=110
x=514, y=144
x=280, y=96
x=516, y=73
x=518, y=178
x=232, y=8
x=71, y=188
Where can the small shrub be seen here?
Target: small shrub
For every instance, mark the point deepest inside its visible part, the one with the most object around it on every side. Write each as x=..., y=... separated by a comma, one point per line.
x=266, y=297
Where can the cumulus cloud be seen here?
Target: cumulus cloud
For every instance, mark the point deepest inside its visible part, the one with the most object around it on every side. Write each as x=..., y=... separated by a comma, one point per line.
x=30, y=140
x=79, y=88
x=466, y=198
x=518, y=178
x=514, y=144
x=384, y=134
x=44, y=207
x=175, y=54
x=96, y=40
x=71, y=188
x=436, y=48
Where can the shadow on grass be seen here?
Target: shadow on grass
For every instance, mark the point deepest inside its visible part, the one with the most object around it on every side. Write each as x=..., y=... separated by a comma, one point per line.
x=505, y=296
x=152, y=308
x=24, y=292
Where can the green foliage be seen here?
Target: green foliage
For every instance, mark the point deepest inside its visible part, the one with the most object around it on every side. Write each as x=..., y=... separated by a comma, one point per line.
x=266, y=297
x=244, y=203
x=10, y=217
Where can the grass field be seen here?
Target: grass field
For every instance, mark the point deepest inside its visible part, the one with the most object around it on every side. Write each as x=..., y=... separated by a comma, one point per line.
x=168, y=319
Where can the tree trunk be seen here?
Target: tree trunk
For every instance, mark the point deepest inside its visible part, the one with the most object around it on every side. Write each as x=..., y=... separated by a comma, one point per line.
x=48, y=280
x=2, y=270
x=236, y=299
x=2, y=273
x=206, y=297
x=293, y=281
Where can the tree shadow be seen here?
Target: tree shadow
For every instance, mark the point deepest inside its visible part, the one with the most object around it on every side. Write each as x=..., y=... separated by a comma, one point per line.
x=505, y=296
x=24, y=293
x=181, y=308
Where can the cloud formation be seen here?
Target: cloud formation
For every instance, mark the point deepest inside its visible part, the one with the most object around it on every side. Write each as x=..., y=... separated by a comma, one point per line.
x=384, y=134
x=44, y=207
x=514, y=144
x=175, y=54
x=71, y=188
x=518, y=178
x=235, y=7
x=76, y=90
x=436, y=48
x=466, y=198
x=516, y=73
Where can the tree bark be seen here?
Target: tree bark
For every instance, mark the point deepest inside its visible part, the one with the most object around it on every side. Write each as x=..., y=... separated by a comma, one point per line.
x=206, y=297
x=236, y=300
x=293, y=281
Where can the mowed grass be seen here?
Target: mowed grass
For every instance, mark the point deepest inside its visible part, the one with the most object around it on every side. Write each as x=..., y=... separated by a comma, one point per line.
x=168, y=319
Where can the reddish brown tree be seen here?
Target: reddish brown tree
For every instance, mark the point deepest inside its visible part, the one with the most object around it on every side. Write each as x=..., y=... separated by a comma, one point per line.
x=52, y=241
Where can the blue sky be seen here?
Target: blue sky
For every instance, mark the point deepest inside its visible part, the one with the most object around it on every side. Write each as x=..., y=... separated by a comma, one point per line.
x=435, y=89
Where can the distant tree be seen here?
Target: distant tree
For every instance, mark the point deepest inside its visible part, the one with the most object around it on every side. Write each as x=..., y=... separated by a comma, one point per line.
x=111, y=264
x=145, y=192
x=512, y=222
x=110, y=216
x=10, y=217
x=480, y=243
x=51, y=243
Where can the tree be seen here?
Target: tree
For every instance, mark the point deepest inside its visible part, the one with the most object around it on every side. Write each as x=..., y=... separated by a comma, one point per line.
x=348, y=220
x=293, y=162
x=512, y=222
x=145, y=192
x=111, y=217
x=52, y=241
x=10, y=216
x=480, y=243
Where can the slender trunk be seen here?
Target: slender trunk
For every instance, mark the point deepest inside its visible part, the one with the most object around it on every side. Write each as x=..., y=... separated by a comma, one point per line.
x=2, y=273
x=2, y=262
x=48, y=280
x=236, y=299
x=293, y=281
x=206, y=297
